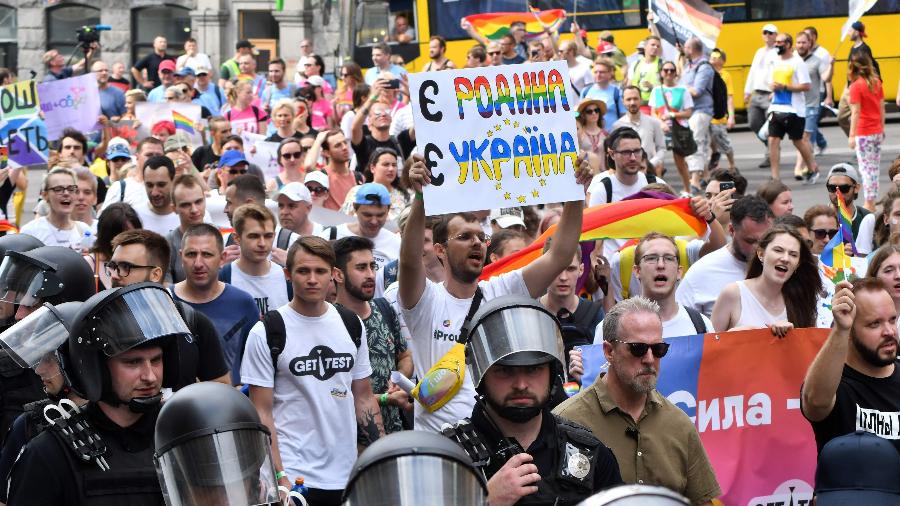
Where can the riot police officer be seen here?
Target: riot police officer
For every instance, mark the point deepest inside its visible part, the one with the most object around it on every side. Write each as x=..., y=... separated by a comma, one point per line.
x=529, y=455
x=412, y=468
x=120, y=351
x=20, y=243
x=193, y=428
x=28, y=279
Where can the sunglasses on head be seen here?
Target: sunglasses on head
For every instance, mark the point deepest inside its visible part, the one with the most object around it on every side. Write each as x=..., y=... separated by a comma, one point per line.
x=640, y=349
x=844, y=188
x=821, y=233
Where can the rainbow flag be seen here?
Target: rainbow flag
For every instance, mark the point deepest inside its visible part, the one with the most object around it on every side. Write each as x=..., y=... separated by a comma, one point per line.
x=494, y=25
x=845, y=220
x=182, y=122
x=834, y=259
x=626, y=219
x=7, y=227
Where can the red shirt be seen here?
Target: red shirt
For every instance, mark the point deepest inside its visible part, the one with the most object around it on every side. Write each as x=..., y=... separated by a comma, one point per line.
x=869, y=101
x=338, y=186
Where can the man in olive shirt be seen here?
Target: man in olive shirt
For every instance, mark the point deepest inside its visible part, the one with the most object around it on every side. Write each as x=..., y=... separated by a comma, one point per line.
x=654, y=442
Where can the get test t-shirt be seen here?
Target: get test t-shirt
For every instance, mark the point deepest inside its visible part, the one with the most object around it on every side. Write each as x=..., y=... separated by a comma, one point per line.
x=387, y=249
x=869, y=106
x=791, y=71
x=269, y=290
x=313, y=408
x=434, y=324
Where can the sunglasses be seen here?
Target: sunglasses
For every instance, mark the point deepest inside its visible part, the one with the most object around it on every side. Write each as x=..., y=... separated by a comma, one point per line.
x=666, y=71
x=766, y=32
x=237, y=172
x=640, y=349
x=844, y=188
x=295, y=155
x=317, y=190
x=592, y=110
x=492, y=53
x=821, y=233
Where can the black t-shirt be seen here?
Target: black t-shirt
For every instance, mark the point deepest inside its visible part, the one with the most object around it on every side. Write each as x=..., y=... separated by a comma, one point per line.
x=151, y=64
x=204, y=360
x=861, y=212
x=863, y=402
x=202, y=156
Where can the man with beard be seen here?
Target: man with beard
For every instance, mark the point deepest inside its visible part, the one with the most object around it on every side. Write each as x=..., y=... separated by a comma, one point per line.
x=528, y=455
x=157, y=214
x=437, y=51
x=388, y=351
x=232, y=310
x=750, y=218
x=844, y=178
x=853, y=383
x=649, y=128
x=653, y=440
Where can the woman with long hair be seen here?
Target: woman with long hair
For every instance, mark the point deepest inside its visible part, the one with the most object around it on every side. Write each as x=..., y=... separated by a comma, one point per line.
x=781, y=289
x=283, y=113
x=672, y=103
x=590, y=127
x=866, y=122
x=114, y=220
x=382, y=169
x=360, y=95
x=885, y=265
x=291, y=155
x=243, y=115
x=351, y=76
x=887, y=223
x=320, y=107
x=778, y=196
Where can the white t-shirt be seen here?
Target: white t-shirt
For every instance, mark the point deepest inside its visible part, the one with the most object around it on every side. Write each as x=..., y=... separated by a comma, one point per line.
x=270, y=290
x=387, y=249
x=162, y=224
x=195, y=62
x=135, y=193
x=615, y=281
x=619, y=191
x=313, y=409
x=704, y=281
x=44, y=231
x=865, y=239
x=434, y=325
x=680, y=325
x=581, y=75
x=825, y=57
x=792, y=71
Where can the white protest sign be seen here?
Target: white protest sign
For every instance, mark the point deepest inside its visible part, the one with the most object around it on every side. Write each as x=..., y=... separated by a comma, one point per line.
x=496, y=136
x=261, y=153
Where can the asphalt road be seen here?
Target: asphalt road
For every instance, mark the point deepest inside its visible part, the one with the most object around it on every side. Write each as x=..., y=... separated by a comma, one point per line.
x=749, y=152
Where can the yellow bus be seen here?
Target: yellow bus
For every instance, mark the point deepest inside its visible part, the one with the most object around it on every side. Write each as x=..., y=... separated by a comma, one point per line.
x=627, y=19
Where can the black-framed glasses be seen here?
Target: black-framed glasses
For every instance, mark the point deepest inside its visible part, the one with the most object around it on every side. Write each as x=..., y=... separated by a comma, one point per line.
x=821, y=233
x=295, y=155
x=237, y=172
x=640, y=349
x=470, y=237
x=60, y=189
x=629, y=153
x=123, y=269
x=767, y=32
x=668, y=70
x=317, y=190
x=492, y=53
x=844, y=188
x=592, y=110
x=653, y=259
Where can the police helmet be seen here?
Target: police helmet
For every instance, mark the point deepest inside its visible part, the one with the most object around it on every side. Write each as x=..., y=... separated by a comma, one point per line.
x=41, y=332
x=413, y=468
x=513, y=330
x=18, y=242
x=636, y=495
x=210, y=445
x=115, y=321
x=47, y=274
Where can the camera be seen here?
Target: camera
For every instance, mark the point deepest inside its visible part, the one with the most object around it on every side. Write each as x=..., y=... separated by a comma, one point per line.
x=87, y=35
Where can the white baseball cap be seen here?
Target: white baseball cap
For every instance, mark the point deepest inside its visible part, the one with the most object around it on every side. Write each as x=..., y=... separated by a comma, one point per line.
x=316, y=176
x=297, y=192
x=508, y=217
x=769, y=27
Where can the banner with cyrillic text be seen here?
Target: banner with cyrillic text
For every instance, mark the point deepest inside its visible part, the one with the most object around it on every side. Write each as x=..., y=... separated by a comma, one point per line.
x=496, y=136
x=742, y=390
x=22, y=130
x=70, y=103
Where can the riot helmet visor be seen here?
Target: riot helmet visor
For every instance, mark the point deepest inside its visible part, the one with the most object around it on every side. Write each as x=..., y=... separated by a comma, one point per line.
x=135, y=317
x=32, y=338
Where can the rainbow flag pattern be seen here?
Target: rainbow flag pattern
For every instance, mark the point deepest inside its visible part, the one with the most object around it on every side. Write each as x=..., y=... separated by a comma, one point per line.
x=626, y=219
x=493, y=25
x=834, y=259
x=8, y=228
x=845, y=220
x=182, y=122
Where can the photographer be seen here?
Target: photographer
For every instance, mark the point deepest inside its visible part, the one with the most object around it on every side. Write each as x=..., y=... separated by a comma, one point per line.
x=56, y=68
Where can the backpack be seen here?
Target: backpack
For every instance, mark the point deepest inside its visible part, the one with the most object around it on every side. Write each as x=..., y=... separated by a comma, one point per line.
x=225, y=277
x=607, y=184
x=719, y=94
x=332, y=232
x=276, y=333
x=696, y=319
x=284, y=238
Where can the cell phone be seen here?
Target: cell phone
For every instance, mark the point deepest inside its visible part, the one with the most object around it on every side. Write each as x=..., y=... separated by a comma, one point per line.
x=393, y=84
x=726, y=185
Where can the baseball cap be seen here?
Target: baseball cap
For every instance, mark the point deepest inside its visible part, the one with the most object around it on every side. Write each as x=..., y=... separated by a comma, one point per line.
x=114, y=151
x=769, y=27
x=858, y=468
x=243, y=44
x=201, y=71
x=179, y=140
x=231, y=158
x=185, y=71
x=297, y=192
x=843, y=169
x=859, y=27
x=316, y=176
x=642, y=44
x=605, y=47
x=508, y=217
x=372, y=194
x=166, y=65
x=315, y=81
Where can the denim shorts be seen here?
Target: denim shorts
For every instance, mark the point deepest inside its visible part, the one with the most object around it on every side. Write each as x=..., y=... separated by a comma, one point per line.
x=812, y=120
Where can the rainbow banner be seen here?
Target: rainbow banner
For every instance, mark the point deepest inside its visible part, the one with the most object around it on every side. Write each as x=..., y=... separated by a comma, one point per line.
x=626, y=219
x=8, y=228
x=762, y=449
x=493, y=25
x=182, y=122
x=679, y=20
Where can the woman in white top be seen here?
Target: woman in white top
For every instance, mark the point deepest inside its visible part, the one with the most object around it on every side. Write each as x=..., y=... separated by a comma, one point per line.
x=780, y=291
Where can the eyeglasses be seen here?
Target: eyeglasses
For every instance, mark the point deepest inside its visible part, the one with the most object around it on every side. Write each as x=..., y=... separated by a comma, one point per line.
x=492, y=53
x=844, y=188
x=344, y=75
x=667, y=71
x=380, y=114
x=629, y=153
x=766, y=32
x=821, y=233
x=237, y=172
x=295, y=155
x=654, y=259
x=592, y=110
x=123, y=269
x=60, y=189
x=640, y=349
x=470, y=237
x=317, y=190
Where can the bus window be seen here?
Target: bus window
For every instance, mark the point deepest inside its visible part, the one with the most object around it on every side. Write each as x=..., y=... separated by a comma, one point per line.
x=732, y=10
x=403, y=21
x=779, y=9
x=372, y=23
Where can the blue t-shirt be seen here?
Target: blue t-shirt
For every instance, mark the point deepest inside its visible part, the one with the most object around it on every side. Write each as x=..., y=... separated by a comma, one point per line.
x=112, y=102
x=233, y=313
x=612, y=97
x=213, y=98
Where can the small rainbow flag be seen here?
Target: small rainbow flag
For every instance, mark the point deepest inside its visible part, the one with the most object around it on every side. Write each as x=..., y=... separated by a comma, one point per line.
x=7, y=227
x=494, y=25
x=182, y=122
x=834, y=259
x=626, y=219
x=845, y=221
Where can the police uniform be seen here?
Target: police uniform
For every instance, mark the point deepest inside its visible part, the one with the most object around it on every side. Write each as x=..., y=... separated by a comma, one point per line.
x=48, y=471
x=573, y=464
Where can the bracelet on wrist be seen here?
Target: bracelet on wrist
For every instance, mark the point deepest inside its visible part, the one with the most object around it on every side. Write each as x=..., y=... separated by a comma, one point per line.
x=712, y=218
x=383, y=399
x=419, y=196
x=280, y=474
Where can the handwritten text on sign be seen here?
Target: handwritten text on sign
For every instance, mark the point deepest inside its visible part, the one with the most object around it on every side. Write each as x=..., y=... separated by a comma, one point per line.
x=501, y=136
x=21, y=129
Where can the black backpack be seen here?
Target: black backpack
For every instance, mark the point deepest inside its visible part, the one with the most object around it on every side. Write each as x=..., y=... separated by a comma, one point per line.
x=607, y=184
x=719, y=94
x=276, y=333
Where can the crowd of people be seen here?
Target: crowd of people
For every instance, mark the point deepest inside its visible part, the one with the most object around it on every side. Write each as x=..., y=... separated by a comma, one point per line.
x=313, y=289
